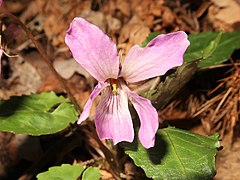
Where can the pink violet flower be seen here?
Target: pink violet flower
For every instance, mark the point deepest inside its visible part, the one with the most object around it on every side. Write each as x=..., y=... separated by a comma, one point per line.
x=95, y=52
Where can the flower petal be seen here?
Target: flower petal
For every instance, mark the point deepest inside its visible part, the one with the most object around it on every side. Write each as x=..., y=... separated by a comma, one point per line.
x=96, y=91
x=148, y=117
x=161, y=54
x=113, y=119
x=93, y=50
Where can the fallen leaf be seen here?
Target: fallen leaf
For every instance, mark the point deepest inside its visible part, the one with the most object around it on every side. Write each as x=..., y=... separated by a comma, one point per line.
x=24, y=79
x=66, y=68
x=135, y=31
x=224, y=14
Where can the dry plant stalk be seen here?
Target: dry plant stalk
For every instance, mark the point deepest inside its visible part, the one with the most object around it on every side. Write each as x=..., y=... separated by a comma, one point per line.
x=221, y=113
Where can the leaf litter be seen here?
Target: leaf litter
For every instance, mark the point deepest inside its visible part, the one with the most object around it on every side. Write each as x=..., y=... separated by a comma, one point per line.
x=203, y=107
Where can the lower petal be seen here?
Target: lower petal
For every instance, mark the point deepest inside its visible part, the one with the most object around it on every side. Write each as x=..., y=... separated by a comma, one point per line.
x=148, y=117
x=96, y=91
x=113, y=119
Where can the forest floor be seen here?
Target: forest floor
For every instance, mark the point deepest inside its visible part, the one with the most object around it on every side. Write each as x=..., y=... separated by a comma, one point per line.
x=127, y=22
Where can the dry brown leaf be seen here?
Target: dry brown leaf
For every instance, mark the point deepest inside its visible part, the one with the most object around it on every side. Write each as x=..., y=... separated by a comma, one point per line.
x=106, y=175
x=135, y=31
x=140, y=8
x=14, y=6
x=156, y=8
x=24, y=79
x=95, y=17
x=66, y=68
x=49, y=82
x=224, y=14
x=57, y=17
x=124, y=7
x=168, y=16
x=114, y=24
x=30, y=12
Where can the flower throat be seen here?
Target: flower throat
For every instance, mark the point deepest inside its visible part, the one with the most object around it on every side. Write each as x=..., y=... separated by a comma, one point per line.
x=114, y=85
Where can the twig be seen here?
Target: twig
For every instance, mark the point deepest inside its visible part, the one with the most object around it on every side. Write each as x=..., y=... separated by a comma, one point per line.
x=207, y=105
x=221, y=102
x=44, y=55
x=222, y=65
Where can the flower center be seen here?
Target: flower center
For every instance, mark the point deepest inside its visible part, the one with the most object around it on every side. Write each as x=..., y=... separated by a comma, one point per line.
x=114, y=85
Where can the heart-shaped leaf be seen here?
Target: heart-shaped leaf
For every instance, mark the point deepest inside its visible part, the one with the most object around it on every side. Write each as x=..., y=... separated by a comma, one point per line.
x=212, y=48
x=70, y=172
x=40, y=114
x=178, y=154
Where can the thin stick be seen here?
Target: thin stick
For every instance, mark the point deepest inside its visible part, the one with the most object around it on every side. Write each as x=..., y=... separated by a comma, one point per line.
x=44, y=55
x=207, y=105
x=221, y=102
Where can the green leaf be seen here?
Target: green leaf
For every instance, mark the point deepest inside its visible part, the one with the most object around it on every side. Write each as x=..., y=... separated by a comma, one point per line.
x=91, y=173
x=212, y=48
x=63, y=172
x=178, y=154
x=40, y=114
x=70, y=172
x=149, y=93
x=208, y=51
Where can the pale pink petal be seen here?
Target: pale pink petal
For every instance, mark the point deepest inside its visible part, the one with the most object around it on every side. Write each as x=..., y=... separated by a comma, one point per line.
x=96, y=91
x=161, y=54
x=93, y=50
x=113, y=119
x=148, y=118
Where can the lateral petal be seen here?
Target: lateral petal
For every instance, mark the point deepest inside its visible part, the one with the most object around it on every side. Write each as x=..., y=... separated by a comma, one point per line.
x=113, y=119
x=93, y=49
x=86, y=110
x=148, y=118
x=161, y=54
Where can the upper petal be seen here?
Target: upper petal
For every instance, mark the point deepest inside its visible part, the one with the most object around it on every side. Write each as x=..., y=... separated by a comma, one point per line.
x=161, y=54
x=96, y=91
x=148, y=118
x=113, y=119
x=93, y=50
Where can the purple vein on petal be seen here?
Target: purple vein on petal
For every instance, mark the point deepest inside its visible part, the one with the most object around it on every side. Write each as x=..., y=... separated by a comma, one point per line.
x=113, y=119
